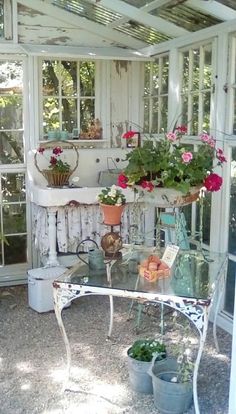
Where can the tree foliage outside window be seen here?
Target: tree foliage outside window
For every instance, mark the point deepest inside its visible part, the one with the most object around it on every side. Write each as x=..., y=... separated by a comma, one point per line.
x=68, y=95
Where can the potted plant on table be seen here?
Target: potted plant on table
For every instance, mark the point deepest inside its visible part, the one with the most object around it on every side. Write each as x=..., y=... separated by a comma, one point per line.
x=112, y=202
x=139, y=357
x=168, y=163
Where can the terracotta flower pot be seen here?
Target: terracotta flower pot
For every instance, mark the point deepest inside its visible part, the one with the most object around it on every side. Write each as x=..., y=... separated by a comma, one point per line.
x=112, y=214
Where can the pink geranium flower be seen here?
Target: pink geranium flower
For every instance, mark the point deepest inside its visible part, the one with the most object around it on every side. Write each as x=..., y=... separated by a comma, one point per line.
x=187, y=157
x=171, y=136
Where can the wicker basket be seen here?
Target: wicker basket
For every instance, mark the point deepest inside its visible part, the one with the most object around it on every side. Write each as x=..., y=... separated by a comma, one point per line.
x=55, y=178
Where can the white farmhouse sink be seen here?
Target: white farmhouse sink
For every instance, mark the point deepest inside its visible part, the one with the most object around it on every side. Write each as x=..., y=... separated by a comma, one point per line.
x=91, y=162
x=52, y=197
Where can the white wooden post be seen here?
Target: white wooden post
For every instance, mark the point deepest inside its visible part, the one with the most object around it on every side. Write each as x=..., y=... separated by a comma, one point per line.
x=232, y=393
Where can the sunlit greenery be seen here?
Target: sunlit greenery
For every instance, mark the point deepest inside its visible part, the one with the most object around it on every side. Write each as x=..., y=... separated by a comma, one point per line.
x=66, y=84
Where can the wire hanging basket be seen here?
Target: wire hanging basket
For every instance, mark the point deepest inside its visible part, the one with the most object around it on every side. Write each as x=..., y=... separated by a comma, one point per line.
x=56, y=178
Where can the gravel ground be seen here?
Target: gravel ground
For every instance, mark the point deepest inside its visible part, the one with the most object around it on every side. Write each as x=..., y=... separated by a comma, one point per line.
x=32, y=359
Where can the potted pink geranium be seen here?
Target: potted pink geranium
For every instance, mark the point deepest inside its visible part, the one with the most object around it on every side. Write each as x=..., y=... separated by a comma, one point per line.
x=169, y=163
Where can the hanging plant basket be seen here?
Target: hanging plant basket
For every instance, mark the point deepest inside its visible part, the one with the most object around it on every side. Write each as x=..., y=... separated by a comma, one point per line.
x=53, y=177
x=169, y=197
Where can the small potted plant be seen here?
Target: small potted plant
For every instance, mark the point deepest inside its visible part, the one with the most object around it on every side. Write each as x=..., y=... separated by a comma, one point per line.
x=112, y=202
x=140, y=356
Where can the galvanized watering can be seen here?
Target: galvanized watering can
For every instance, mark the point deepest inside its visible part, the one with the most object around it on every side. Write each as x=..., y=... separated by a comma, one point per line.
x=95, y=257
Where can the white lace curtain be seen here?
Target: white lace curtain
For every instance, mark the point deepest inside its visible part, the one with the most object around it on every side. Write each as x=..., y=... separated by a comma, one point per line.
x=76, y=223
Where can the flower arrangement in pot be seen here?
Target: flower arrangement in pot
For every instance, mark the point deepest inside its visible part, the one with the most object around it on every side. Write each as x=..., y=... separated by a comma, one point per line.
x=139, y=357
x=59, y=170
x=112, y=202
x=169, y=163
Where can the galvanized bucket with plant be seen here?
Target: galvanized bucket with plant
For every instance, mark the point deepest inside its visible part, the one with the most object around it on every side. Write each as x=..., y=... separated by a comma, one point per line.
x=140, y=356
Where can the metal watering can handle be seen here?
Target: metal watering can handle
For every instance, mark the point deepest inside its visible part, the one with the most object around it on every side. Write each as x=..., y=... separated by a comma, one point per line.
x=78, y=252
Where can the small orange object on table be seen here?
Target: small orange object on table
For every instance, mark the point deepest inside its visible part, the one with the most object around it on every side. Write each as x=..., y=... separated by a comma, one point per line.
x=153, y=268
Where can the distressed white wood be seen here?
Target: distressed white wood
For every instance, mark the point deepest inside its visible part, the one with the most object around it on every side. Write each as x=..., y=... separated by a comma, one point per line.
x=212, y=8
x=109, y=53
x=8, y=23
x=119, y=100
x=142, y=17
x=173, y=88
x=219, y=218
x=79, y=22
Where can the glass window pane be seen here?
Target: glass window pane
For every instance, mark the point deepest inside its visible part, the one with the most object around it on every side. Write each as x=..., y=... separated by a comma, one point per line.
x=234, y=115
x=206, y=111
x=14, y=218
x=184, y=115
x=13, y=187
x=69, y=114
x=229, y=290
x=87, y=79
x=165, y=75
x=232, y=214
x=69, y=78
x=146, y=115
x=11, y=147
x=11, y=77
x=196, y=69
x=1, y=30
x=87, y=113
x=207, y=79
x=164, y=113
x=51, y=114
x=155, y=107
x=206, y=218
x=50, y=72
x=185, y=78
x=11, y=112
x=195, y=109
x=16, y=251
x=155, y=79
x=147, y=86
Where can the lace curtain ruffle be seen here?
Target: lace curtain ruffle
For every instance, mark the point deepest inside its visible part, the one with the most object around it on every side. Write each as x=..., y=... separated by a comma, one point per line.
x=76, y=223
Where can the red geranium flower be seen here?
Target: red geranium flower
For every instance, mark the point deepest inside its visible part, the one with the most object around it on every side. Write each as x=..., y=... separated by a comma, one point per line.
x=57, y=151
x=182, y=129
x=148, y=185
x=213, y=182
x=128, y=134
x=53, y=161
x=41, y=150
x=122, y=181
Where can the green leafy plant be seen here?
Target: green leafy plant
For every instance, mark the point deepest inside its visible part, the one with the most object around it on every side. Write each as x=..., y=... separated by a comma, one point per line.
x=144, y=350
x=168, y=162
x=112, y=196
x=56, y=164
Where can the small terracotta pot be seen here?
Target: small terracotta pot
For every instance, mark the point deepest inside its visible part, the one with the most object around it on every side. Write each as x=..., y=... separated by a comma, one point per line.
x=112, y=214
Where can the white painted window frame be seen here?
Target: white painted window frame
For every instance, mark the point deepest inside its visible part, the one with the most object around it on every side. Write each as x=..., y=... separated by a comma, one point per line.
x=157, y=96
x=14, y=274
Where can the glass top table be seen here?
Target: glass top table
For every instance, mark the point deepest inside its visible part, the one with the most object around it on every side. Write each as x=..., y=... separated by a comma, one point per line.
x=195, y=279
